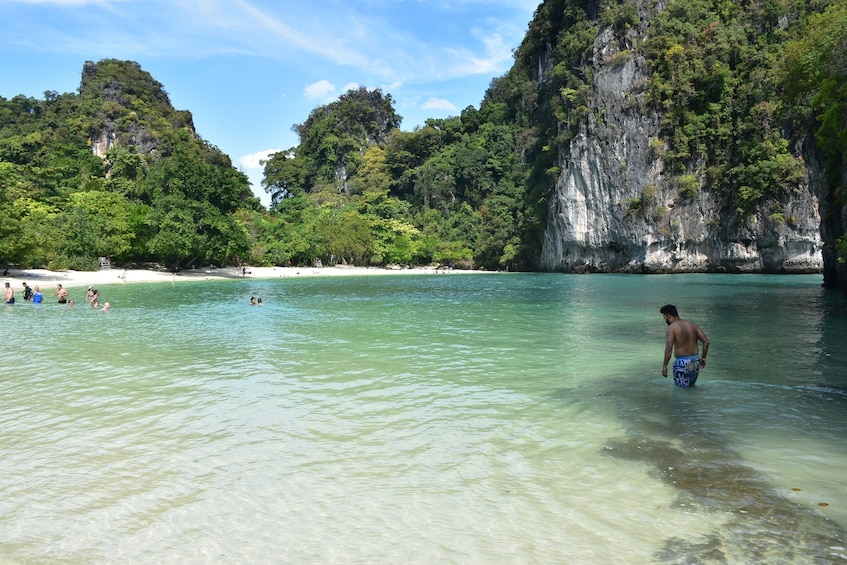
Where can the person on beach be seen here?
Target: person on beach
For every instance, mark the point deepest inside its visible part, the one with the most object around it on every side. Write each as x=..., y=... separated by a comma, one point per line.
x=62, y=293
x=37, y=297
x=92, y=294
x=27, y=292
x=10, y=295
x=681, y=341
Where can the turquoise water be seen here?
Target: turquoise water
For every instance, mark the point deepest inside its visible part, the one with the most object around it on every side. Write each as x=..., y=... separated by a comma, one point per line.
x=483, y=418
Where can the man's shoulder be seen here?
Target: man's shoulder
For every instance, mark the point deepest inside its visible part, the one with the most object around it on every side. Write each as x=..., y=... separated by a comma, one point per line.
x=692, y=325
x=681, y=325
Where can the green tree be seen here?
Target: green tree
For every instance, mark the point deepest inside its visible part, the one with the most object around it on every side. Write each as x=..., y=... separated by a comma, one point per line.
x=814, y=71
x=13, y=246
x=346, y=235
x=178, y=240
x=96, y=224
x=335, y=136
x=284, y=177
x=192, y=203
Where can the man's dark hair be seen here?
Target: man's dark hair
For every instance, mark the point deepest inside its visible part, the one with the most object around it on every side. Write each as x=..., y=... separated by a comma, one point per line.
x=669, y=309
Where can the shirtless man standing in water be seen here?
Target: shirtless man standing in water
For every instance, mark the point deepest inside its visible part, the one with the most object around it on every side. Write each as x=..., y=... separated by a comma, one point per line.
x=682, y=341
x=62, y=293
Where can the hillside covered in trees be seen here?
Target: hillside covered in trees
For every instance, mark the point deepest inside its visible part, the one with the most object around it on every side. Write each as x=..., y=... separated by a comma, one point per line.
x=115, y=171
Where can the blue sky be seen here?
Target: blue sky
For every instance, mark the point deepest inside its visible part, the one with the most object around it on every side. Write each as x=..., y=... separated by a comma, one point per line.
x=250, y=69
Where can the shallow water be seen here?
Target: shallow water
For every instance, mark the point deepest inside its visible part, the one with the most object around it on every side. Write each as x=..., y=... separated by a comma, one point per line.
x=494, y=418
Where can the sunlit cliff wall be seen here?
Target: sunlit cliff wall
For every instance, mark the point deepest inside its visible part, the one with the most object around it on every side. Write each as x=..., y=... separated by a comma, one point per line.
x=614, y=209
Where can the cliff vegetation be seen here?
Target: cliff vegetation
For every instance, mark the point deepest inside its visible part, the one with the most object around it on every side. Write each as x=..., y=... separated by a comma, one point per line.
x=114, y=171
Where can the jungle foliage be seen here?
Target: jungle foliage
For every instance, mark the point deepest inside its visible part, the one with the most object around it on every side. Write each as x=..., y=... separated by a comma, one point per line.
x=358, y=189
x=62, y=206
x=736, y=84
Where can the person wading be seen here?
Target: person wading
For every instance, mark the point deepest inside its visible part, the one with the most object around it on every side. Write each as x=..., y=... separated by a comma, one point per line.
x=683, y=340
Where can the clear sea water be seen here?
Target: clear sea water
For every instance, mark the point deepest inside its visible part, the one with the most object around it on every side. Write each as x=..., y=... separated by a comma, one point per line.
x=481, y=418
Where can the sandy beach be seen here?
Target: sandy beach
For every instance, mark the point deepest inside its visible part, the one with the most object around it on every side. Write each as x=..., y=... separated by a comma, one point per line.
x=73, y=279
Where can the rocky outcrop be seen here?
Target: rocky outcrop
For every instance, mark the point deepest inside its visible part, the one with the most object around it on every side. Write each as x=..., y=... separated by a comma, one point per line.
x=135, y=135
x=614, y=208
x=133, y=108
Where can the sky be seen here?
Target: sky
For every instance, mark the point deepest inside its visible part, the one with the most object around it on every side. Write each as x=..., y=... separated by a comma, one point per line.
x=248, y=70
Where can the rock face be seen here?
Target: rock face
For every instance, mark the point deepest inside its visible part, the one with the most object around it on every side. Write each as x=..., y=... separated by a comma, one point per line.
x=135, y=135
x=613, y=210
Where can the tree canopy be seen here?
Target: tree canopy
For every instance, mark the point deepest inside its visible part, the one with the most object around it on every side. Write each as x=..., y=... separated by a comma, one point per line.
x=114, y=171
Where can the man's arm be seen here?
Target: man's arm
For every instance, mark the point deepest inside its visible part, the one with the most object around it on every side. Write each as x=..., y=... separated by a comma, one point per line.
x=669, y=339
x=705, y=340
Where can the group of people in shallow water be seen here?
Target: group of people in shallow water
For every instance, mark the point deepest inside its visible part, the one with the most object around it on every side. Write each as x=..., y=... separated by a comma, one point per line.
x=33, y=294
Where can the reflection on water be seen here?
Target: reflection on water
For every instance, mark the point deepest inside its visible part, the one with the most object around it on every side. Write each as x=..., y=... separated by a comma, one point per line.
x=466, y=419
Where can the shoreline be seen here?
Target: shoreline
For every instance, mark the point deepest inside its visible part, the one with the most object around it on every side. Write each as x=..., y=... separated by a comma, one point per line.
x=73, y=279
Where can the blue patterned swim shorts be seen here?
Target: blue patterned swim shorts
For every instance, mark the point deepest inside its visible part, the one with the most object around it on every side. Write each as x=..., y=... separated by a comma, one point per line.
x=686, y=369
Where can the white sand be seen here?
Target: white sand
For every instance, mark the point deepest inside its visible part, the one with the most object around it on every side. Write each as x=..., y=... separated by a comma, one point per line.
x=47, y=280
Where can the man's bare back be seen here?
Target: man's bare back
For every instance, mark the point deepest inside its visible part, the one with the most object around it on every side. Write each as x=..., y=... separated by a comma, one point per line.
x=683, y=336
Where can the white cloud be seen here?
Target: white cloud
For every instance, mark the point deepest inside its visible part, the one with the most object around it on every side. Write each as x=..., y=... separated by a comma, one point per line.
x=319, y=90
x=360, y=37
x=438, y=104
x=496, y=57
x=350, y=86
x=252, y=161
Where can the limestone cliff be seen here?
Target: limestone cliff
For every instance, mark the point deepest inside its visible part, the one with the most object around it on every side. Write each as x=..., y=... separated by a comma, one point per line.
x=615, y=206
